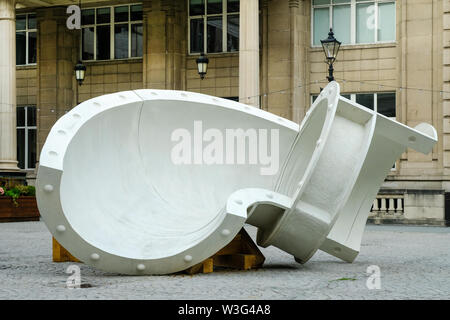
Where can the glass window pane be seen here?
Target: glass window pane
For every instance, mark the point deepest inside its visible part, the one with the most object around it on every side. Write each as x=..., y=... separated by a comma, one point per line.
x=121, y=14
x=341, y=1
x=20, y=116
x=121, y=41
x=319, y=2
x=386, y=104
x=214, y=6
x=233, y=33
x=103, y=15
x=87, y=16
x=365, y=99
x=341, y=23
x=136, y=13
x=21, y=148
x=21, y=48
x=196, y=35
x=31, y=47
x=31, y=148
x=31, y=116
x=365, y=23
x=386, y=21
x=214, y=35
x=21, y=22
x=346, y=96
x=321, y=25
x=233, y=6
x=196, y=7
x=136, y=40
x=103, y=43
x=31, y=21
x=88, y=43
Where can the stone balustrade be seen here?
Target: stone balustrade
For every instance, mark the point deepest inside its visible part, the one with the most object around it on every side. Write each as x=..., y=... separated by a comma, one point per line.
x=388, y=205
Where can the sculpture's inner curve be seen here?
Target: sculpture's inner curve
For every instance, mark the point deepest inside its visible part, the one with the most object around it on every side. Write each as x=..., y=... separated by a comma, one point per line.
x=122, y=192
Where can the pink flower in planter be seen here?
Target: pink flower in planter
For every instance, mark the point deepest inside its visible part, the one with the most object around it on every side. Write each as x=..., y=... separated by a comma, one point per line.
x=2, y=191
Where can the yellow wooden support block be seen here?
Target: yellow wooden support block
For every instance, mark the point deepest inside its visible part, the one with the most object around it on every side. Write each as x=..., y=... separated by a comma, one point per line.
x=236, y=261
x=241, y=253
x=207, y=266
x=60, y=254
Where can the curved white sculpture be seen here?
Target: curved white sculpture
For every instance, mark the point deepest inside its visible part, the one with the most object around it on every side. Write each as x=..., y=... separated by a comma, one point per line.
x=112, y=191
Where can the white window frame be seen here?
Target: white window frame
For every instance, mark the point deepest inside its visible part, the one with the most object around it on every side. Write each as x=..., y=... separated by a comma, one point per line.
x=353, y=4
x=26, y=128
x=27, y=31
x=205, y=17
x=111, y=32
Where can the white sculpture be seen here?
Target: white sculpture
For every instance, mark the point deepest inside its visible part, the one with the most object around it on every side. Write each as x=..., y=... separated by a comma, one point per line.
x=135, y=182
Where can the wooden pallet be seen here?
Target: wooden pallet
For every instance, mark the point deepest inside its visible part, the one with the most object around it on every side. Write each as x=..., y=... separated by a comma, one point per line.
x=241, y=253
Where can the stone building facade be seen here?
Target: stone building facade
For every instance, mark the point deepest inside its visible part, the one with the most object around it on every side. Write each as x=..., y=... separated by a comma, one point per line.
x=265, y=54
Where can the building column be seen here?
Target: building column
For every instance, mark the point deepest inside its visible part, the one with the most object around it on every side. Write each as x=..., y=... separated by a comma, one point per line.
x=8, y=139
x=265, y=56
x=164, y=44
x=446, y=95
x=56, y=58
x=280, y=40
x=249, y=52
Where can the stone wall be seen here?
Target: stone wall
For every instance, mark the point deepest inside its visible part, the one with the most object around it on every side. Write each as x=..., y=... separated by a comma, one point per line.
x=103, y=77
x=425, y=207
x=420, y=58
x=222, y=79
x=366, y=63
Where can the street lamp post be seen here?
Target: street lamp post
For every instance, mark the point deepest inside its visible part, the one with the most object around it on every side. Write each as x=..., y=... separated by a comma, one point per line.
x=330, y=48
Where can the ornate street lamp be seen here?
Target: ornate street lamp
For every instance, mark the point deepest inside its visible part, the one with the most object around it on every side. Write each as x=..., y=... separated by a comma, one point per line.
x=80, y=70
x=202, y=65
x=330, y=48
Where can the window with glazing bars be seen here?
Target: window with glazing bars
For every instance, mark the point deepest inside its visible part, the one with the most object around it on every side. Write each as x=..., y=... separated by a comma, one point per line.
x=213, y=26
x=26, y=34
x=26, y=137
x=353, y=21
x=113, y=32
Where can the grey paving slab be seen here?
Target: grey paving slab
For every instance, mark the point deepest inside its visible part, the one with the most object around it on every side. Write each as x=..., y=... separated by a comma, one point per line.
x=414, y=264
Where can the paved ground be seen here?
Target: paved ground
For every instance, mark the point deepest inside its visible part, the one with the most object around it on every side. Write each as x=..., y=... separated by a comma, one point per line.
x=414, y=264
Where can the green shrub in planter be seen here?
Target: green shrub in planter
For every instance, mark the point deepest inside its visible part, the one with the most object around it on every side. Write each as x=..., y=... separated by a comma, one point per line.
x=17, y=191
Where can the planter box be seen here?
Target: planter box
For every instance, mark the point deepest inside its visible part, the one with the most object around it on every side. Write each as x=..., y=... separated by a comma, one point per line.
x=26, y=211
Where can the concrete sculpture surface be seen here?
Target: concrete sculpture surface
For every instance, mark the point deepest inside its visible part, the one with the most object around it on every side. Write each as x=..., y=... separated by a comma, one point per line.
x=156, y=181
